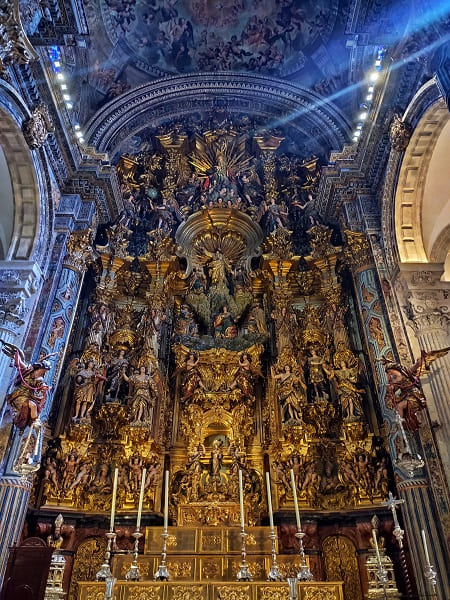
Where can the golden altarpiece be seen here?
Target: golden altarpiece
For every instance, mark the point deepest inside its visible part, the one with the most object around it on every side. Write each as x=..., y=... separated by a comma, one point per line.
x=217, y=332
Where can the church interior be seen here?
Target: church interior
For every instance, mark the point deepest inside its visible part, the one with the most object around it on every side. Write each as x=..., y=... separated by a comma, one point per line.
x=224, y=300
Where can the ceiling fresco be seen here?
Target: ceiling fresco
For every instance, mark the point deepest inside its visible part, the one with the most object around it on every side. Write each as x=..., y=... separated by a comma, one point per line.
x=134, y=41
x=270, y=37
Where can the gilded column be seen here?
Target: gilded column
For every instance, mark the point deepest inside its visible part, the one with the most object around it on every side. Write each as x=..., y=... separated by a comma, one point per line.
x=14, y=487
x=413, y=486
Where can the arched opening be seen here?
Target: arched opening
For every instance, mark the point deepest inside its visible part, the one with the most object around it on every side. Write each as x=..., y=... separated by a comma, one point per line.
x=19, y=193
x=422, y=199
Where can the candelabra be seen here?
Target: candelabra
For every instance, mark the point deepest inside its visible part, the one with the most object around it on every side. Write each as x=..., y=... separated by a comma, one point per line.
x=304, y=574
x=244, y=573
x=105, y=570
x=133, y=574
x=162, y=572
x=274, y=573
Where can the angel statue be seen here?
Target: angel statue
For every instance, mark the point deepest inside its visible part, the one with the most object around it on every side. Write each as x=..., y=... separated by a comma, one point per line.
x=405, y=390
x=28, y=397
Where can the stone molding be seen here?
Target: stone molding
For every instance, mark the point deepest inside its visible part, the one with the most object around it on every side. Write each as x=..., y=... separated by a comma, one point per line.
x=174, y=96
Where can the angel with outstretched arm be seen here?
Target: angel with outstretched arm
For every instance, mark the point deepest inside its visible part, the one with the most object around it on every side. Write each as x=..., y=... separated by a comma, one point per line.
x=29, y=395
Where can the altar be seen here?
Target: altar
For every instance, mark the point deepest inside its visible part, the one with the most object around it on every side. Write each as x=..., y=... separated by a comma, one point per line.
x=149, y=590
x=203, y=563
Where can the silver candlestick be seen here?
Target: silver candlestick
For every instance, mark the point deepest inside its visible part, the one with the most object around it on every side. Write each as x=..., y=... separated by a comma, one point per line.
x=304, y=574
x=244, y=573
x=162, y=572
x=133, y=574
x=104, y=574
x=274, y=573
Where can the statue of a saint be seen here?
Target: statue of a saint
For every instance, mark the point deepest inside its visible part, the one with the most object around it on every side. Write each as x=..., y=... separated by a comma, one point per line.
x=143, y=392
x=285, y=324
x=192, y=379
x=85, y=390
x=291, y=393
x=224, y=324
x=350, y=396
x=245, y=376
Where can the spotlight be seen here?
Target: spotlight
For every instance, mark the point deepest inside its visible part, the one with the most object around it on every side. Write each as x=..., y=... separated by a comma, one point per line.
x=370, y=89
x=66, y=97
x=81, y=140
x=79, y=134
x=60, y=76
x=76, y=127
x=69, y=105
x=363, y=115
x=63, y=86
x=373, y=76
x=56, y=64
x=369, y=97
x=359, y=126
x=378, y=62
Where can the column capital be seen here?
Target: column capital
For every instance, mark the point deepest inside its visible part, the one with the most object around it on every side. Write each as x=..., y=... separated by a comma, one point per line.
x=357, y=251
x=428, y=303
x=80, y=250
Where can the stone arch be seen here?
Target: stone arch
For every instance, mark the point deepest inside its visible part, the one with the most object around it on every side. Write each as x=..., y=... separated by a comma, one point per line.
x=172, y=97
x=422, y=204
x=20, y=200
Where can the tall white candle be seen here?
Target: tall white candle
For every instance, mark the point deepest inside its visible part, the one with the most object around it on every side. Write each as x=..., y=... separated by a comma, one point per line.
x=269, y=502
x=241, y=500
x=375, y=545
x=425, y=547
x=113, y=503
x=141, y=499
x=294, y=493
x=166, y=502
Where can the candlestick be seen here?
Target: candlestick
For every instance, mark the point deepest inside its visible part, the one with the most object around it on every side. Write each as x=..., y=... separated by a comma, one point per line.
x=294, y=493
x=162, y=572
x=104, y=574
x=241, y=501
x=269, y=501
x=381, y=571
x=166, y=501
x=244, y=573
x=375, y=545
x=141, y=499
x=304, y=573
x=429, y=571
x=425, y=547
x=274, y=573
x=133, y=574
x=114, y=497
